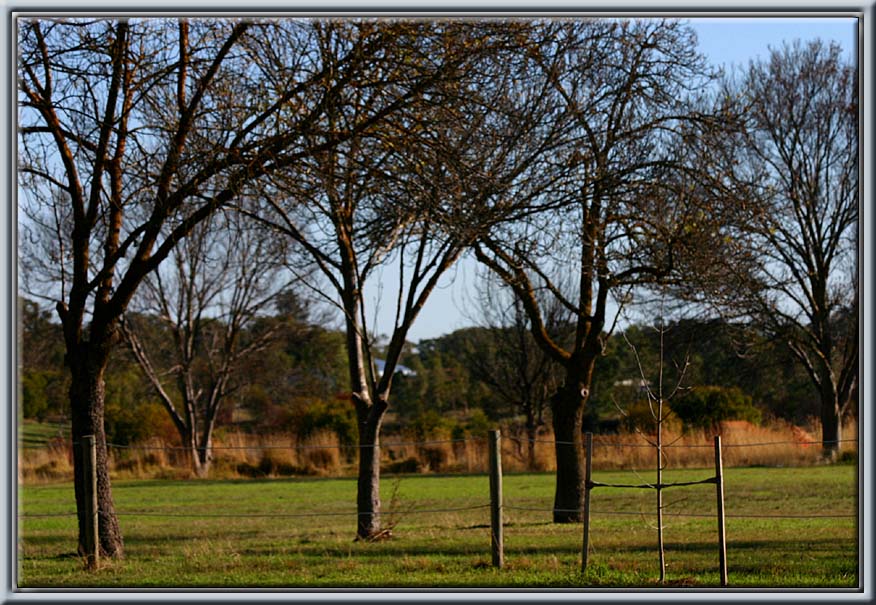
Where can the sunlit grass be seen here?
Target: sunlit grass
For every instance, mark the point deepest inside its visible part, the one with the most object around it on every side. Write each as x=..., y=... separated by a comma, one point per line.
x=259, y=547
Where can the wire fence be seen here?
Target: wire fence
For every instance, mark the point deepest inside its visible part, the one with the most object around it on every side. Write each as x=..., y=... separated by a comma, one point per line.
x=353, y=513
x=399, y=444
x=502, y=513
x=416, y=511
x=179, y=448
x=672, y=514
x=350, y=513
x=687, y=445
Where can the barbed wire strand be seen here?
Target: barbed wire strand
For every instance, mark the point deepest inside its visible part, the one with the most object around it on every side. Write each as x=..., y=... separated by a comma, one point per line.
x=140, y=513
x=293, y=447
x=685, y=445
x=437, y=510
x=703, y=515
x=652, y=485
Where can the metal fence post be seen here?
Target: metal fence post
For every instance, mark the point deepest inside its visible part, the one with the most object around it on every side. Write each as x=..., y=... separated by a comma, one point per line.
x=496, y=537
x=588, y=469
x=722, y=532
x=89, y=472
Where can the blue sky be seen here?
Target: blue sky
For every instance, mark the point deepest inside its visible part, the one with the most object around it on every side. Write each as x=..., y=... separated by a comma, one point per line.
x=730, y=41
x=726, y=41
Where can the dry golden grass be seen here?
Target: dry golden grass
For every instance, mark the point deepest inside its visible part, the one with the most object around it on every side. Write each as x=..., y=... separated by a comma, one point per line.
x=244, y=455
x=45, y=464
x=743, y=444
x=278, y=455
x=148, y=459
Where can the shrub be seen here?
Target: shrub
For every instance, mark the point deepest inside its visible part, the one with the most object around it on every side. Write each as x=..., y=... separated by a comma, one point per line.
x=337, y=417
x=707, y=406
x=34, y=401
x=132, y=423
x=478, y=423
x=431, y=425
x=638, y=416
x=43, y=393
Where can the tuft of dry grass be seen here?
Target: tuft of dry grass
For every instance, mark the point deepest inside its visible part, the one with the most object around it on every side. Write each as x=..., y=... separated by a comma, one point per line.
x=40, y=465
x=147, y=459
x=321, y=454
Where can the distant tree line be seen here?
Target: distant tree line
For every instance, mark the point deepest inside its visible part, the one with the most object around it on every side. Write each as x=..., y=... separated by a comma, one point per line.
x=296, y=383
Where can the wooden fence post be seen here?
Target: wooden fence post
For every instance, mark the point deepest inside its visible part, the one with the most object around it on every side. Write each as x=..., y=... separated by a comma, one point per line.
x=722, y=532
x=496, y=537
x=89, y=471
x=588, y=469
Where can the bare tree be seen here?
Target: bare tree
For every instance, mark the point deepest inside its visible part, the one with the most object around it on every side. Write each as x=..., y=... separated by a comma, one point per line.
x=621, y=223
x=512, y=364
x=131, y=132
x=208, y=300
x=414, y=192
x=659, y=399
x=789, y=260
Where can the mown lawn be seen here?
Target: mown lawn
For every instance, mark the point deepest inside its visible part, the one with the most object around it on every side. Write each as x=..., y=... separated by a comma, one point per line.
x=246, y=533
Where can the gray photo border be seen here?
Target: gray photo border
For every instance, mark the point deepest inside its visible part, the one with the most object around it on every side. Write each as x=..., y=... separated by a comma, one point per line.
x=866, y=54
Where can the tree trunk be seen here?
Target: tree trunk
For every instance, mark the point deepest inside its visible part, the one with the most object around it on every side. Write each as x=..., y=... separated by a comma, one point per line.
x=188, y=447
x=831, y=429
x=831, y=416
x=205, y=449
x=531, y=434
x=368, y=494
x=87, y=392
x=204, y=458
x=568, y=413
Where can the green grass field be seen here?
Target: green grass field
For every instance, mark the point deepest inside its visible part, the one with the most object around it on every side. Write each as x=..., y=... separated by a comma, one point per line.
x=187, y=541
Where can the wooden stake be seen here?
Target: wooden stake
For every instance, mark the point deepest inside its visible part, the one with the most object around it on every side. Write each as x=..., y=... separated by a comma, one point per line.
x=89, y=471
x=496, y=537
x=588, y=469
x=722, y=532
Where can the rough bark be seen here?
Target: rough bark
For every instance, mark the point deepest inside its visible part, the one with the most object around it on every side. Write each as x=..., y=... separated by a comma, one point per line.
x=831, y=422
x=568, y=413
x=87, y=392
x=368, y=525
x=831, y=433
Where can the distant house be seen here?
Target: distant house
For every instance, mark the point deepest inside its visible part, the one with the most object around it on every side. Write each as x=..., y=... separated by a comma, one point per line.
x=380, y=364
x=636, y=383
